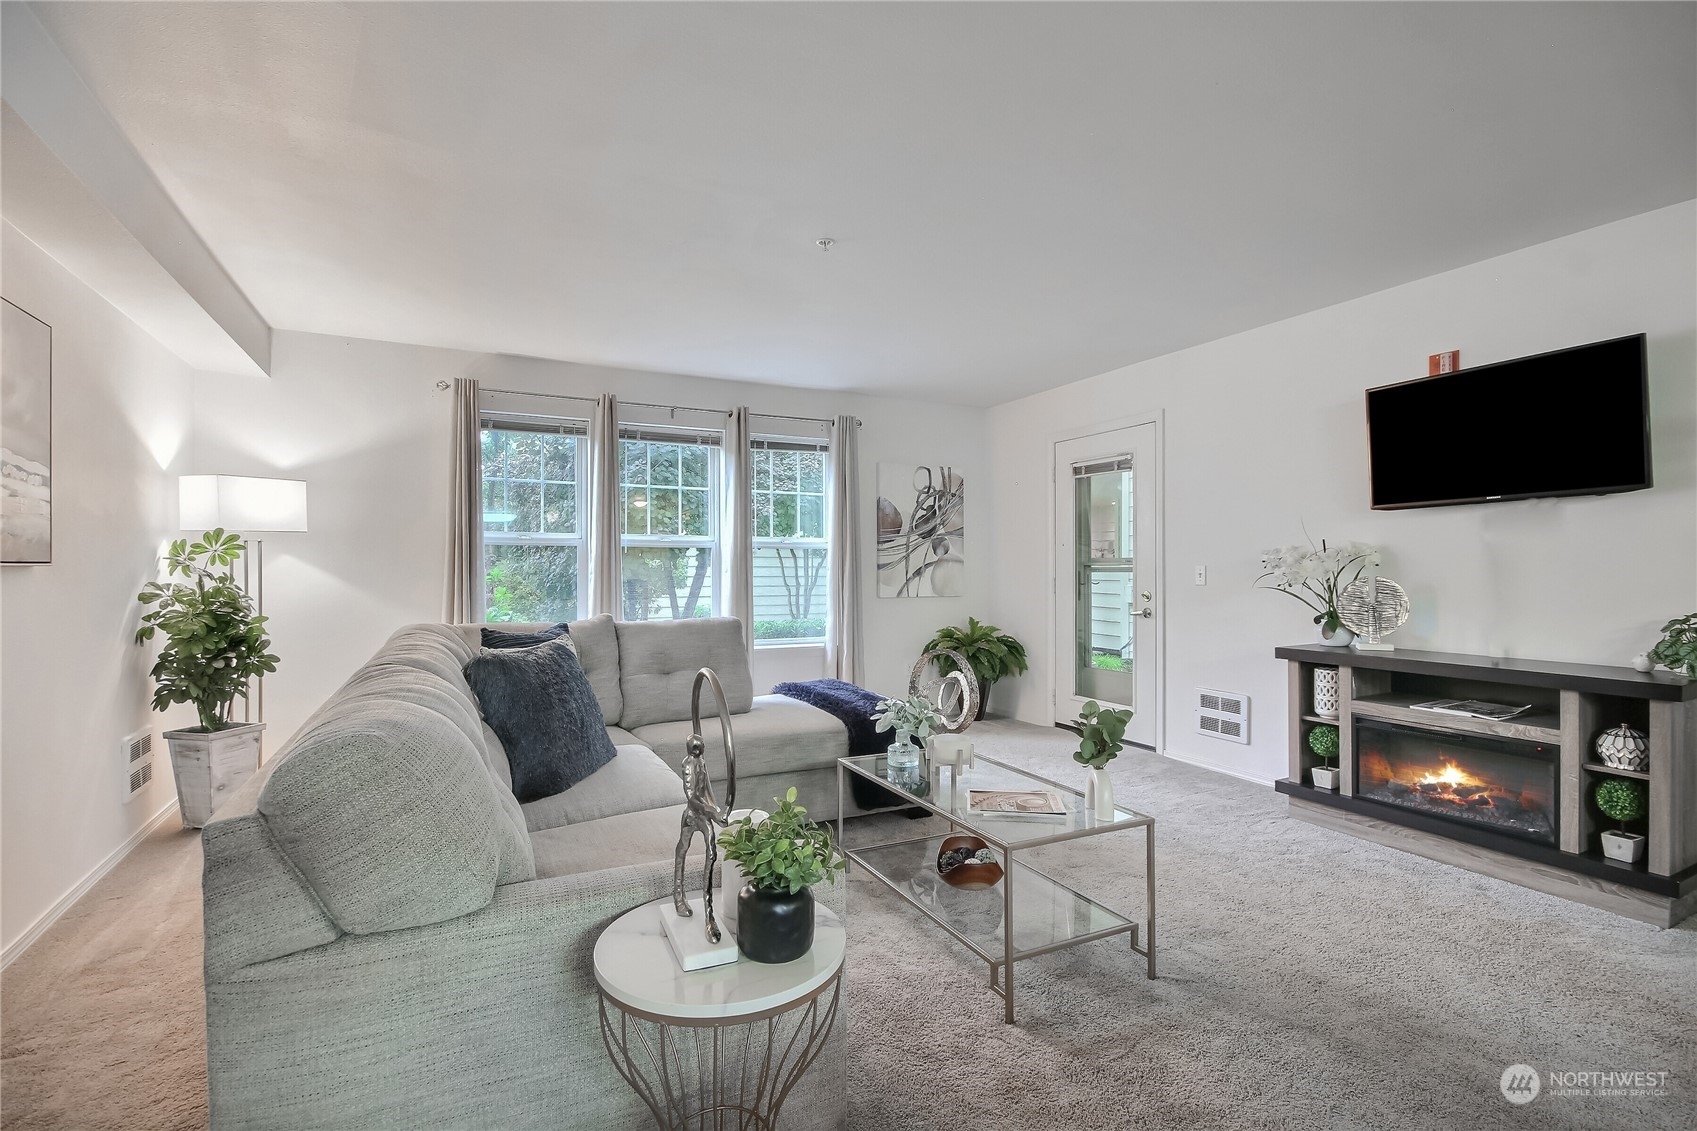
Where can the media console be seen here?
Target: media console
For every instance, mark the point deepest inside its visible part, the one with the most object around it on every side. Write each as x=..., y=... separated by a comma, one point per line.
x=1511, y=798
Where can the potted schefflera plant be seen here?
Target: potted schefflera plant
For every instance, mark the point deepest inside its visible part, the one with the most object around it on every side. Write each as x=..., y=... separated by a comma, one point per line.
x=1101, y=735
x=1621, y=800
x=215, y=642
x=993, y=654
x=781, y=857
x=1323, y=741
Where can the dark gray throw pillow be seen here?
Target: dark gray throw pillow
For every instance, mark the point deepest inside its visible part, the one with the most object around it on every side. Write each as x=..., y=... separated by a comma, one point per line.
x=495, y=638
x=540, y=705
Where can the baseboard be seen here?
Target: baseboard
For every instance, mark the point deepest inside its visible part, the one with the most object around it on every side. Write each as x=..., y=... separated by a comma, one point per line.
x=51, y=916
x=1218, y=769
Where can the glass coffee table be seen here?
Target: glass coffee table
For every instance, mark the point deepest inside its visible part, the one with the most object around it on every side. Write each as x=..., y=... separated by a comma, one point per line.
x=1026, y=913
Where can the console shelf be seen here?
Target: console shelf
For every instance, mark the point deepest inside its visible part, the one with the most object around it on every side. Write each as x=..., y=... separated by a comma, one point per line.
x=1570, y=704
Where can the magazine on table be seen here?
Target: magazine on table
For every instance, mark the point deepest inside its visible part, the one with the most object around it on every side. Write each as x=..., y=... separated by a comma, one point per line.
x=1016, y=802
x=1472, y=708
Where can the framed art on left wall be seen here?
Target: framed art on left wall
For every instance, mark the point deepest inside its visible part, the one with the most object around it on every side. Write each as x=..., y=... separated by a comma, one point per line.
x=26, y=437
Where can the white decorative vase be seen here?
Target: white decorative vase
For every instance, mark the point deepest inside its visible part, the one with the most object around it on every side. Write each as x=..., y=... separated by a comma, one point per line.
x=1099, y=793
x=1628, y=848
x=1341, y=637
x=211, y=765
x=1326, y=692
x=1623, y=748
x=1325, y=777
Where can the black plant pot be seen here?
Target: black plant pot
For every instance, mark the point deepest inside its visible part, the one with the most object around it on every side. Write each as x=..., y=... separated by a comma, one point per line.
x=774, y=926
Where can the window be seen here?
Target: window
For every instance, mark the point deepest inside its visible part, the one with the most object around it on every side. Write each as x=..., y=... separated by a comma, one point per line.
x=533, y=555
x=790, y=551
x=668, y=488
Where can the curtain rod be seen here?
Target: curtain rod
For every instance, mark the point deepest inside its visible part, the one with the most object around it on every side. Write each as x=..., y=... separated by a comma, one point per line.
x=443, y=385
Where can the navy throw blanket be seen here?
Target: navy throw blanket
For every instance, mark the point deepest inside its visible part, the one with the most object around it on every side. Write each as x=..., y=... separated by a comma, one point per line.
x=852, y=705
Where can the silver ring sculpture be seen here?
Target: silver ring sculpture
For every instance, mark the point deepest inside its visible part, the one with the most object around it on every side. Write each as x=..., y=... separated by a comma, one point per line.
x=962, y=679
x=702, y=814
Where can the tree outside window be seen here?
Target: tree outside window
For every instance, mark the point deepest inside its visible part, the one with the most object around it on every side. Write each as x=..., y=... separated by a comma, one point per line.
x=791, y=553
x=533, y=557
x=670, y=527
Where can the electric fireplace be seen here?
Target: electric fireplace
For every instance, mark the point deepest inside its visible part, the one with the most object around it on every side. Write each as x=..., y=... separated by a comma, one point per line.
x=1504, y=785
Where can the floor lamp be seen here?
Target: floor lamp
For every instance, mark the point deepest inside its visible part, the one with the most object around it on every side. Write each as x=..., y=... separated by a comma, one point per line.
x=246, y=504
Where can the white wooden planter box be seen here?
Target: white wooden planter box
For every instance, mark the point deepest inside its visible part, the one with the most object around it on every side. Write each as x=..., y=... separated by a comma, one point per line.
x=209, y=766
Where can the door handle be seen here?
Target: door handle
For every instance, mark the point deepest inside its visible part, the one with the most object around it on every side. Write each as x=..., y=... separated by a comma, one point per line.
x=1145, y=612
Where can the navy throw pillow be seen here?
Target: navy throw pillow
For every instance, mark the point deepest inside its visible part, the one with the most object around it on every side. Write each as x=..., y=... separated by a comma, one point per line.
x=540, y=705
x=495, y=638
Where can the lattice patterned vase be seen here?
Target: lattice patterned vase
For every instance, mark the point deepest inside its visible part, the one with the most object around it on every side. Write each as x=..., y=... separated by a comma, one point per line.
x=1622, y=748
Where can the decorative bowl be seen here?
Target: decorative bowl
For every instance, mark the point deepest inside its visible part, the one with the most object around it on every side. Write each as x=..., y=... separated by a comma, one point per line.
x=969, y=874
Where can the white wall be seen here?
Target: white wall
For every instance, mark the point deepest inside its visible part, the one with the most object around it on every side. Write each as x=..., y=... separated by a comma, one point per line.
x=72, y=682
x=363, y=423
x=1264, y=433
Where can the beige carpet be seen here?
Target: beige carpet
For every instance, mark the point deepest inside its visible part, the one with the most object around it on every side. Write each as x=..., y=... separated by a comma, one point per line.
x=1307, y=980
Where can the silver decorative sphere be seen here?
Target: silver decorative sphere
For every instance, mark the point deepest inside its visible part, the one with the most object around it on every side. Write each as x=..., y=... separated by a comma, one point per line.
x=1373, y=607
x=1623, y=748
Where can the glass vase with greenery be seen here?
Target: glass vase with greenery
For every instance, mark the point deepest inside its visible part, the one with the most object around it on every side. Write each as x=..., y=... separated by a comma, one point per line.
x=993, y=654
x=215, y=640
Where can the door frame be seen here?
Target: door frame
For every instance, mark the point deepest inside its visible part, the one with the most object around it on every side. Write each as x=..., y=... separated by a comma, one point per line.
x=1157, y=417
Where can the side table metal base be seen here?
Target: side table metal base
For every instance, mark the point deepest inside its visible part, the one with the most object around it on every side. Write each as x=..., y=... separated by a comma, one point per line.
x=716, y=1075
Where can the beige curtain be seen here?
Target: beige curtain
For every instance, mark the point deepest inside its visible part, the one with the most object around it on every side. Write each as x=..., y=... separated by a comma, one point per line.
x=463, y=600
x=606, y=512
x=842, y=640
x=737, y=523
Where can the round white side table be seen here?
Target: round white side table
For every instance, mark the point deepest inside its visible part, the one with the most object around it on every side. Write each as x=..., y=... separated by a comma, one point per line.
x=729, y=1040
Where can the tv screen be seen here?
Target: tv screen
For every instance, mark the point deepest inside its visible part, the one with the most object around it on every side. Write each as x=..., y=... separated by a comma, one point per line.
x=1572, y=422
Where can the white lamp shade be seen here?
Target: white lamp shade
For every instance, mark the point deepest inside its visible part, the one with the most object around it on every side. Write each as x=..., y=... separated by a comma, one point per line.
x=240, y=502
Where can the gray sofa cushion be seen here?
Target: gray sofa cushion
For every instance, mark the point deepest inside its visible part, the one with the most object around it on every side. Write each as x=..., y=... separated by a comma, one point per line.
x=636, y=779
x=614, y=842
x=539, y=703
x=390, y=814
x=658, y=661
x=777, y=735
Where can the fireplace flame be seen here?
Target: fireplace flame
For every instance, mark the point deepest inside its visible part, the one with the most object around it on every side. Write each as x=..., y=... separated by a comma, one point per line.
x=1451, y=775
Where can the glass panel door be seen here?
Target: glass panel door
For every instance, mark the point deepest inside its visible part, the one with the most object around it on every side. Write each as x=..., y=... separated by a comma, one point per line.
x=1105, y=573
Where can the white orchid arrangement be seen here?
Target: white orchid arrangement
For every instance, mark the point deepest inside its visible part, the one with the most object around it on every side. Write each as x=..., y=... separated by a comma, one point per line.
x=1315, y=575
x=911, y=718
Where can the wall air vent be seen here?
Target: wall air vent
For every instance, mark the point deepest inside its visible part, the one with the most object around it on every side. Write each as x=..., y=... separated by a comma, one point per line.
x=138, y=762
x=1222, y=714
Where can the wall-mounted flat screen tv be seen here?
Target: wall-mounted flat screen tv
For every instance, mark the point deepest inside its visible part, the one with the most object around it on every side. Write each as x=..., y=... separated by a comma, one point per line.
x=1571, y=422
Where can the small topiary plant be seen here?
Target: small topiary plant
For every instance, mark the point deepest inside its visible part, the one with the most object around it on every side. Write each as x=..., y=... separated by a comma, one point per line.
x=1621, y=799
x=1323, y=740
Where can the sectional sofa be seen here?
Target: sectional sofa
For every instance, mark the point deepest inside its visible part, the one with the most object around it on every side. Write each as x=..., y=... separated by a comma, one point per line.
x=393, y=940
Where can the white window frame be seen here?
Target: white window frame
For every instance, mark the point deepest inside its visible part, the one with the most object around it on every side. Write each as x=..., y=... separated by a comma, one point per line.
x=552, y=425
x=763, y=442
x=687, y=437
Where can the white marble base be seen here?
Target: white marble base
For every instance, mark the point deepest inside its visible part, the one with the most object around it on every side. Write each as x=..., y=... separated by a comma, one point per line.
x=689, y=938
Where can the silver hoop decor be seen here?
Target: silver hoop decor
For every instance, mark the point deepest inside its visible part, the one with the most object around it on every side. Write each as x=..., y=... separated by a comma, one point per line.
x=954, y=695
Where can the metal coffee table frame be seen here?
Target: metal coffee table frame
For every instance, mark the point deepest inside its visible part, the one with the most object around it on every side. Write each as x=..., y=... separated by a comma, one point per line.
x=1002, y=966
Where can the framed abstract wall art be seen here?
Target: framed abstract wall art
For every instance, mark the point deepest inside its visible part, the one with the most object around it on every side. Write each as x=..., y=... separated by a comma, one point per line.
x=26, y=437
x=921, y=530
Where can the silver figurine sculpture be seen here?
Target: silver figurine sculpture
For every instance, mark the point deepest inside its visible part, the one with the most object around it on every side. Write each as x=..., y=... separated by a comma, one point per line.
x=702, y=814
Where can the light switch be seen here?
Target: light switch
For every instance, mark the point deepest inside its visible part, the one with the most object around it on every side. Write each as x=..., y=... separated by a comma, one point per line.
x=1201, y=575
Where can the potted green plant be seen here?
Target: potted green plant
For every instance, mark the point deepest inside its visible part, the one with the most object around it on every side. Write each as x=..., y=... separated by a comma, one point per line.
x=993, y=654
x=1101, y=737
x=781, y=858
x=1315, y=575
x=215, y=642
x=910, y=718
x=1677, y=649
x=1621, y=800
x=1323, y=740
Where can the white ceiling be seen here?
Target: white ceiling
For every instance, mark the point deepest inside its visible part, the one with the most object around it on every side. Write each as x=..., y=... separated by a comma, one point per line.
x=1021, y=194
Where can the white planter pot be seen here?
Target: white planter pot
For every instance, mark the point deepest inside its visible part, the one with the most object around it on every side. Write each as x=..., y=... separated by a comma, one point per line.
x=1324, y=777
x=1099, y=793
x=1342, y=638
x=1628, y=848
x=1326, y=692
x=211, y=765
